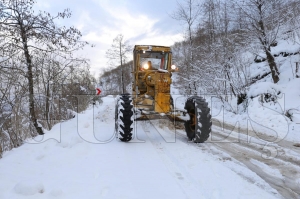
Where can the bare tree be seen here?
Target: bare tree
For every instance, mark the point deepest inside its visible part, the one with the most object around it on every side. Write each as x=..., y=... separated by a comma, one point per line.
x=117, y=54
x=217, y=46
x=211, y=10
x=188, y=11
x=53, y=73
x=263, y=19
x=24, y=33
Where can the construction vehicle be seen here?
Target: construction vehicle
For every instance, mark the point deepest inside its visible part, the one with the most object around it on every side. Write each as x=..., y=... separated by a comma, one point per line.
x=151, y=99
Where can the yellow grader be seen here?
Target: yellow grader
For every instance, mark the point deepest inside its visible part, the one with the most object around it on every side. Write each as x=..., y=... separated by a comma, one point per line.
x=151, y=99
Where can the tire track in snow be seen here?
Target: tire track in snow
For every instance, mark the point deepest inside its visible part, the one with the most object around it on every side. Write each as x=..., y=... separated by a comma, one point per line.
x=219, y=155
x=244, y=151
x=282, y=148
x=183, y=178
x=289, y=168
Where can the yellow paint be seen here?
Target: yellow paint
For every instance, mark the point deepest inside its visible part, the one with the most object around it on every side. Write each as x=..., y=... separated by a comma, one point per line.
x=162, y=103
x=153, y=83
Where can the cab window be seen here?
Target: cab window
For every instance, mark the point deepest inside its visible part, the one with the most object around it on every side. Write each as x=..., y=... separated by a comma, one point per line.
x=154, y=60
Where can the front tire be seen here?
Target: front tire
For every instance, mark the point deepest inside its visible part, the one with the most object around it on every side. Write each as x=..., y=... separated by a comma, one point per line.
x=198, y=127
x=124, y=118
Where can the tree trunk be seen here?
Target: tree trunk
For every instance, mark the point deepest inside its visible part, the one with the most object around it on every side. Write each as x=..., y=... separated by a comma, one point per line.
x=30, y=83
x=266, y=45
x=297, y=70
x=195, y=88
x=47, y=106
x=231, y=86
x=273, y=66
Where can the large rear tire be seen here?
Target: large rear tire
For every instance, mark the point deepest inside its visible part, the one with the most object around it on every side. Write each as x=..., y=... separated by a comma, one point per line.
x=198, y=127
x=124, y=118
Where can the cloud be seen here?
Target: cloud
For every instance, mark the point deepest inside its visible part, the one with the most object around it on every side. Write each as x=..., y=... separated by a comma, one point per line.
x=100, y=21
x=158, y=39
x=123, y=21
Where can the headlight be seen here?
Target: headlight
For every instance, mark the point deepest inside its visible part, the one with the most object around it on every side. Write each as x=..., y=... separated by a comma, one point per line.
x=173, y=67
x=146, y=66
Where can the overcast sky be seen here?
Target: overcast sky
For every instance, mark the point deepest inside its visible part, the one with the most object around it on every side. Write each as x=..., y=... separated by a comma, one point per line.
x=100, y=21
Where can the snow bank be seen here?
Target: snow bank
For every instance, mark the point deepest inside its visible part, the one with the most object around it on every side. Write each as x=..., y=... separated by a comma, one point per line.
x=285, y=46
x=264, y=88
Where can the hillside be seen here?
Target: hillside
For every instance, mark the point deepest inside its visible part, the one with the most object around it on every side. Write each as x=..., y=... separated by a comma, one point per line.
x=268, y=108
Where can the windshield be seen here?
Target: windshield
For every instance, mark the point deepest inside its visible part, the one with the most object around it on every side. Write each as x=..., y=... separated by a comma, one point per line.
x=155, y=60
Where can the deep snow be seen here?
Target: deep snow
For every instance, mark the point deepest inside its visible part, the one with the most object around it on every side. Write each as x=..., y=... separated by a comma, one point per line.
x=148, y=168
x=269, y=118
x=81, y=158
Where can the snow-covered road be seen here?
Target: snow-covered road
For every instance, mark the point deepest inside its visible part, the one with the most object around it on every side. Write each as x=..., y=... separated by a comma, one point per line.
x=277, y=163
x=160, y=163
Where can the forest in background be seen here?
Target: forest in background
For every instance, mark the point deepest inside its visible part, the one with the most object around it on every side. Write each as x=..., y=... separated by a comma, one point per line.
x=222, y=40
x=40, y=76
x=41, y=79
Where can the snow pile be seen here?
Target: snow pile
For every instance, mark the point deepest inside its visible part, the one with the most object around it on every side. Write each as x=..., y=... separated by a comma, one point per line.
x=264, y=88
